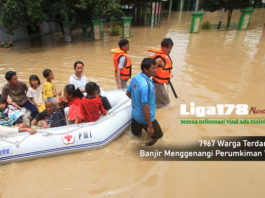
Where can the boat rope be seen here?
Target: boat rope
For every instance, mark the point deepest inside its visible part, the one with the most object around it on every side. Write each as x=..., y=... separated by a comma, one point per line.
x=17, y=142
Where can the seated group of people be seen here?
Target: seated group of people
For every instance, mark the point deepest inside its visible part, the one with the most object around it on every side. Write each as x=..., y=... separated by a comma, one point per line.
x=81, y=102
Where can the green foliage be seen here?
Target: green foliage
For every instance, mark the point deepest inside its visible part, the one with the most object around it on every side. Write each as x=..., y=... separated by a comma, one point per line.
x=111, y=10
x=98, y=9
x=115, y=30
x=30, y=13
x=21, y=13
x=213, y=5
x=257, y=3
x=235, y=4
x=60, y=11
x=206, y=25
x=210, y=5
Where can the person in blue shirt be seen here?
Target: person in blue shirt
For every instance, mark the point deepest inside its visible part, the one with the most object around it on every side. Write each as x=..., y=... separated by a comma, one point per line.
x=142, y=93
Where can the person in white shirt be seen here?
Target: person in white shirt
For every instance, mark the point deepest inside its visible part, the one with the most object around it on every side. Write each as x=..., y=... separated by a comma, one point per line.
x=78, y=79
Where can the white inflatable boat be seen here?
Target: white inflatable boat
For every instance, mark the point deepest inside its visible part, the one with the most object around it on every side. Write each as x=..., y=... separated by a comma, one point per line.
x=71, y=138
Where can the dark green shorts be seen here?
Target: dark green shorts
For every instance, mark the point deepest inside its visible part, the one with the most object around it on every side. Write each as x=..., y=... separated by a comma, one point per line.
x=137, y=127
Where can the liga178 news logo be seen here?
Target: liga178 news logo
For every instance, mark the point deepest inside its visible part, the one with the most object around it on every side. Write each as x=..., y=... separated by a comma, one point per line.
x=221, y=114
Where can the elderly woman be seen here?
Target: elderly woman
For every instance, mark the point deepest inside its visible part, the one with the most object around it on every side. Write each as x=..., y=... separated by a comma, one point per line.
x=52, y=116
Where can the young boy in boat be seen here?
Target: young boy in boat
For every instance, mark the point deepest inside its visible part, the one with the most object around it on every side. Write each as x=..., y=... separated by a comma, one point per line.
x=17, y=91
x=48, y=87
x=91, y=105
x=104, y=99
x=51, y=116
x=122, y=64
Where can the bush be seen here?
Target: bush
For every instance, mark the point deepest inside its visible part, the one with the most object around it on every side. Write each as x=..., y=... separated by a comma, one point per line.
x=115, y=30
x=206, y=25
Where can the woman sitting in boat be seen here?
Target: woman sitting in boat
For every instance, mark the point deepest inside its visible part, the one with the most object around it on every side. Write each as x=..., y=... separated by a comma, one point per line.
x=91, y=105
x=72, y=100
x=78, y=79
x=51, y=116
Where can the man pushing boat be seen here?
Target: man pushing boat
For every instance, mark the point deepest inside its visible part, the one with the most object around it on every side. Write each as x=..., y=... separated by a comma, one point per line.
x=142, y=93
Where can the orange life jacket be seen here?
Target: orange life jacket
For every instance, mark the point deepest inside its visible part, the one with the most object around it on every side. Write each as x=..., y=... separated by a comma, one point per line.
x=125, y=72
x=163, y=74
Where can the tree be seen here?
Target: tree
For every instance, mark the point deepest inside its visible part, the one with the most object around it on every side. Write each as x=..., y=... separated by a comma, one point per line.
x=227, y=5
x=257, y=3
x=98, y=9
x=31, y=13
x=111, y=10
x=59, y=11
x=17, y=13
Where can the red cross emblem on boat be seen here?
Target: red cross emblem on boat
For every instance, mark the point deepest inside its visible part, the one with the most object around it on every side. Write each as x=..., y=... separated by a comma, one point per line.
x=68, y=139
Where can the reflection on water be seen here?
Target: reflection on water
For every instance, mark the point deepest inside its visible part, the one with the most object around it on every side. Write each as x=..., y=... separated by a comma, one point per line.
x=209, y=68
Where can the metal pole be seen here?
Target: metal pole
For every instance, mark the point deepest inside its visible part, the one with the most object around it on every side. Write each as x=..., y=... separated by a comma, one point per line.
x=181, y=5
x=197, y=5
x=172, y=88
x=170, y=7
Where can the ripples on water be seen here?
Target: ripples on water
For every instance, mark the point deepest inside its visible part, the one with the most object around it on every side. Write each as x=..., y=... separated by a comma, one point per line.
x=209, y=68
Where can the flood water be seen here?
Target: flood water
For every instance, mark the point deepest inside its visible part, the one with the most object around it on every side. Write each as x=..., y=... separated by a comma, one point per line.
x=225, y=67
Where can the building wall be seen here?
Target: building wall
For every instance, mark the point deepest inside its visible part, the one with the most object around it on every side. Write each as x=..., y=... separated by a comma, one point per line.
x=49, y=27
x=19, y=34
x=22, y=33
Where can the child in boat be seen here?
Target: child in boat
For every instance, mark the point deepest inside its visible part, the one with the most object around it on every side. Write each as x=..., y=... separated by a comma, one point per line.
x=72, y=99
x=51, y=116
x=91, y=105
x=48, y=87
x=35, y=92
x=104, y=99
x=9, y=114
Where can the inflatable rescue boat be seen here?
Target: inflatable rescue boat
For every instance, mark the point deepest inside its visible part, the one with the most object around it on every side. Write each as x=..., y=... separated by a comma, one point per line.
x=70, y=138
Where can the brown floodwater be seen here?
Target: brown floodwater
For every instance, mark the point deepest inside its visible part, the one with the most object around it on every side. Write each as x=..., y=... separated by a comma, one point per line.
x=225, y=67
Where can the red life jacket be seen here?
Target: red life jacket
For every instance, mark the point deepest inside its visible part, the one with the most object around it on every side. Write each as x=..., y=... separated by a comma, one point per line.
x=163, y=74
x=125, y=72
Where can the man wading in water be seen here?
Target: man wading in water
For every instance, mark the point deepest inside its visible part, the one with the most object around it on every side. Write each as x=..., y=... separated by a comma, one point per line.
x=141, y=91
x=122, y=64
x=164, y=70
